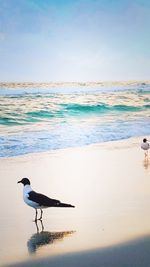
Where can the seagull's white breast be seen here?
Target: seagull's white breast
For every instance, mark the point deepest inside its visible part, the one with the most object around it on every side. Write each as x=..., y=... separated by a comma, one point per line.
x=26, y=190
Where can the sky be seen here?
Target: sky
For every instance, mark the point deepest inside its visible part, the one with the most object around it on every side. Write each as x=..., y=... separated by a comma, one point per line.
x=74, y=40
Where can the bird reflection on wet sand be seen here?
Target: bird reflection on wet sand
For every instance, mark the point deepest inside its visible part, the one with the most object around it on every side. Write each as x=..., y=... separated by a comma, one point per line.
x=146, y=163
x=42, y=238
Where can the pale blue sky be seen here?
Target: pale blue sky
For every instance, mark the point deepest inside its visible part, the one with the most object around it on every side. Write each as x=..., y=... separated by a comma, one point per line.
x=74, y=40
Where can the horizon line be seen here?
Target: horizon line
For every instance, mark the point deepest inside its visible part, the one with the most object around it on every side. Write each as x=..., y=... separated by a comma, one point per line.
x=76, y=82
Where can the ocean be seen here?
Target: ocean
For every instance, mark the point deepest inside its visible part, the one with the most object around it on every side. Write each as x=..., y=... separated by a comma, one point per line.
x=35, y=119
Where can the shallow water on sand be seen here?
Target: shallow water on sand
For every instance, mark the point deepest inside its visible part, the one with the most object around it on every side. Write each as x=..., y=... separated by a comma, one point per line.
x=111, y=192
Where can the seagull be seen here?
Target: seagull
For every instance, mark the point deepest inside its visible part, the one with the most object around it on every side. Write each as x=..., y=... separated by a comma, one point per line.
x=145, y=146
x=39, y=201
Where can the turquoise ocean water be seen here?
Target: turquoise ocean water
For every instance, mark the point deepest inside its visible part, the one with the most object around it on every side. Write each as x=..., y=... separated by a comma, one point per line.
x=37, y=119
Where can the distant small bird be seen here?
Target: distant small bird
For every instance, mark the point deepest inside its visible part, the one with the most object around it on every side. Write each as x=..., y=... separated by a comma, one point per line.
x=39, y=201
x=145, y=146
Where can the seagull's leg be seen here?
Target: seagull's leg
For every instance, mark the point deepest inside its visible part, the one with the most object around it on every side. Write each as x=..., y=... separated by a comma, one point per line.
x=146, y=154
x=37, y=228
x=36, y=215
x=41, y=215
x=42, y=225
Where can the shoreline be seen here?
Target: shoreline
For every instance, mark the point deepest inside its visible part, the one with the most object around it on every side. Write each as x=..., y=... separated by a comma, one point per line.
x=115, y=144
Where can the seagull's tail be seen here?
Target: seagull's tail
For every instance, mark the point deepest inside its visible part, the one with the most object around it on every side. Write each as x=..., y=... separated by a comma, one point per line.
x=64, y=205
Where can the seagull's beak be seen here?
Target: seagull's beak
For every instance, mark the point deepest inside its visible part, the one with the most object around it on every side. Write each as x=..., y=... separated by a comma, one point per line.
x=19, y=182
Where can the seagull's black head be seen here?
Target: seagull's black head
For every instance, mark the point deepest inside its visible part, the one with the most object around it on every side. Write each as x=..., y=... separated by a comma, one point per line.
x=24, y=181
x=144, y=140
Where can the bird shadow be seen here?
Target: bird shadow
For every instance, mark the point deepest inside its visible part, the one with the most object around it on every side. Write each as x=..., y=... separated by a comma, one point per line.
x=42, y=238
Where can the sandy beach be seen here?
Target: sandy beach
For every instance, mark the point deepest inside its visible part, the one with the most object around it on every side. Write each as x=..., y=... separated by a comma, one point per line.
x=108, y=183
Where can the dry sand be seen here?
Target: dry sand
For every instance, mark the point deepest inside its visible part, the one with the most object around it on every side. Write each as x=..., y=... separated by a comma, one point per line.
x=108, y=183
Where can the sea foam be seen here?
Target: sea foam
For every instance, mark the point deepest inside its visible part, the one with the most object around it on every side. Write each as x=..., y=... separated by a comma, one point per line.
x=39, y=119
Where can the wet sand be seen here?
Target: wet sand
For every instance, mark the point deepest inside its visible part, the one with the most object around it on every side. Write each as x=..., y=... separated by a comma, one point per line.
x=135, y=253
x=108, y=183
